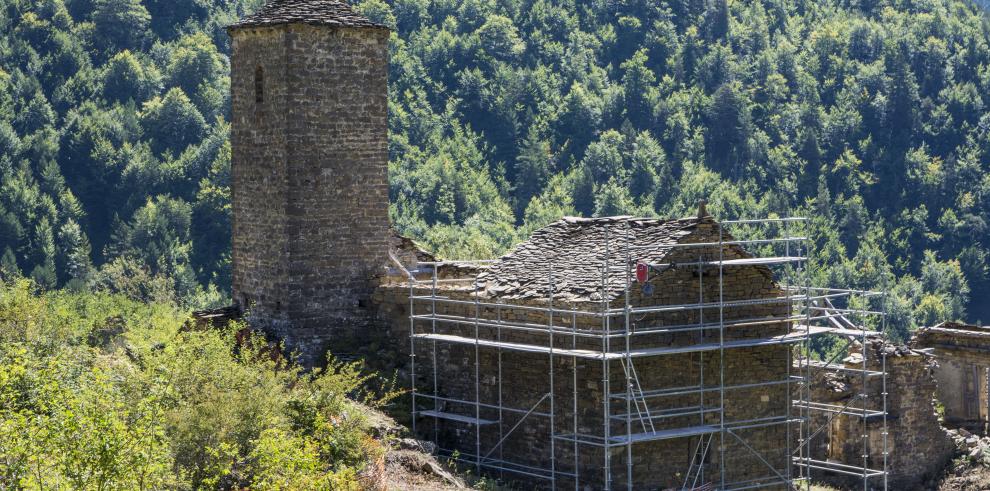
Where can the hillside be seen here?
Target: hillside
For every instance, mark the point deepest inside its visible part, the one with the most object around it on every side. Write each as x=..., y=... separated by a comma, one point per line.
x=870, y=117
x=101, y=392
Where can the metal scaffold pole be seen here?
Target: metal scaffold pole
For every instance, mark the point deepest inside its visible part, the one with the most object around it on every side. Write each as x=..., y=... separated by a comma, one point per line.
x=412, y=354
x=628, y=370
x=477, y=382
x=574, y=403
x=436, y=392
x=501, y=417
x=883, y=393
x=606, y=390
x=806, y=387
x=701, y=368
x=721, y=360
x=789, y=401
x=553, y=450
x=864, y=396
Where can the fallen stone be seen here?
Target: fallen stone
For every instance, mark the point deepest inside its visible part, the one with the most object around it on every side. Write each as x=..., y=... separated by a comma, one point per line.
x=417, y=445
x=425, y=464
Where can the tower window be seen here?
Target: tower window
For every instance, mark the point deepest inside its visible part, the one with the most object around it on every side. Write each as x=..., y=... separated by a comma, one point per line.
x=259, y=85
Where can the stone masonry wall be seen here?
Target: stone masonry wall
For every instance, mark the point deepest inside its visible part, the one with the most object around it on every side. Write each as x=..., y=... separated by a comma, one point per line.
x=918, y=446
x=259, y=173
x=525, y=380
x=310, y=184
x=963, y=354
x=962, y=381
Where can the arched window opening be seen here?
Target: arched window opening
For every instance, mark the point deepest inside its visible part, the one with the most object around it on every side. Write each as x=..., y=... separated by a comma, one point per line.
x=259, y=85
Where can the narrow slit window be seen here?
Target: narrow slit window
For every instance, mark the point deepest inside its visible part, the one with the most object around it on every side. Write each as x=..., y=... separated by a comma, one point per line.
x=259, y=85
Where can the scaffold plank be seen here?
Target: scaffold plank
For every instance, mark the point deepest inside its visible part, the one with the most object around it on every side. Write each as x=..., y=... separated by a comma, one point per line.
x=836, y=409
x=820, y=330
x=793, y=337
x=664, y=434
x=748, y=261
x=456, y=417
x=821, y=365
x=529, y=348
x=849, y=470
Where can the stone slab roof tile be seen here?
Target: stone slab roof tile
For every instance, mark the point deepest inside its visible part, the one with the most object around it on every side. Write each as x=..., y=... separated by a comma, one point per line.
x=576, y=249
x=313, y=12
x=950, y=329
x=405, y=247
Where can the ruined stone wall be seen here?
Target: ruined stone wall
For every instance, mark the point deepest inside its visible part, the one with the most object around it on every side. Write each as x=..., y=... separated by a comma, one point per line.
x=310, y=184
x=918, y=446
x=963, y=355
x=525, y=379
x=962, y=380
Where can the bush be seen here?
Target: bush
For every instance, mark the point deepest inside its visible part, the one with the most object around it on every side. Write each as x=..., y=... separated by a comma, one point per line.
x=101, y=392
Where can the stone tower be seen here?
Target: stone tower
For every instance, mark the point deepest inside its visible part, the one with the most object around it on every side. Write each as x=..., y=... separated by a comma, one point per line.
x=309, y=171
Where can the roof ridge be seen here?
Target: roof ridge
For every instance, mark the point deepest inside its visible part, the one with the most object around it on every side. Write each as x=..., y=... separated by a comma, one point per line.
x=627, y=219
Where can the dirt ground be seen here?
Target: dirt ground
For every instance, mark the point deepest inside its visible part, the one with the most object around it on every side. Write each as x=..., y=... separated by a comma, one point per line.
x=408, y=465
x=966, y=477
x=413, y=470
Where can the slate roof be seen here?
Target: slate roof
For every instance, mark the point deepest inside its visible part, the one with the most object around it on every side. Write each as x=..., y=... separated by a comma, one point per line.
x=313, y=12
x=955, y=330
x=576, y=249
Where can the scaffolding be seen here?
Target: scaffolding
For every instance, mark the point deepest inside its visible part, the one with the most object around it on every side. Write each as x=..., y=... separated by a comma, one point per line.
x=622, y=336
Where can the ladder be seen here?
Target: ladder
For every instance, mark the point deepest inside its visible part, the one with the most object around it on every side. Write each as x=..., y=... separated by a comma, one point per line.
x=697, y=465
x=639, y=399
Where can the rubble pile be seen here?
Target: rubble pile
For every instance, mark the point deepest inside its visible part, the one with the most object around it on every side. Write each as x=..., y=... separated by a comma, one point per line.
x=974, y=447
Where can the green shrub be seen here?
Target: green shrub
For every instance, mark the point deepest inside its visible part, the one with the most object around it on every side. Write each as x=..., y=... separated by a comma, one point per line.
x=101, y=392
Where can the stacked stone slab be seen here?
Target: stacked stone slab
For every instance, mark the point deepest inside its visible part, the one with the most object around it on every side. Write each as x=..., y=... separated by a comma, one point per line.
x=309, y=172
x=567, y=258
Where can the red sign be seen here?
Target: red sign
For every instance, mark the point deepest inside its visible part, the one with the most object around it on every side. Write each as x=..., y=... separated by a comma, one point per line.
x=642, y=272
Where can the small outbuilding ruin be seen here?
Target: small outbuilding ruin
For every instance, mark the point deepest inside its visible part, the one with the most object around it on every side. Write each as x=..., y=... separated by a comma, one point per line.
x=901, y=431
x=963, y=354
